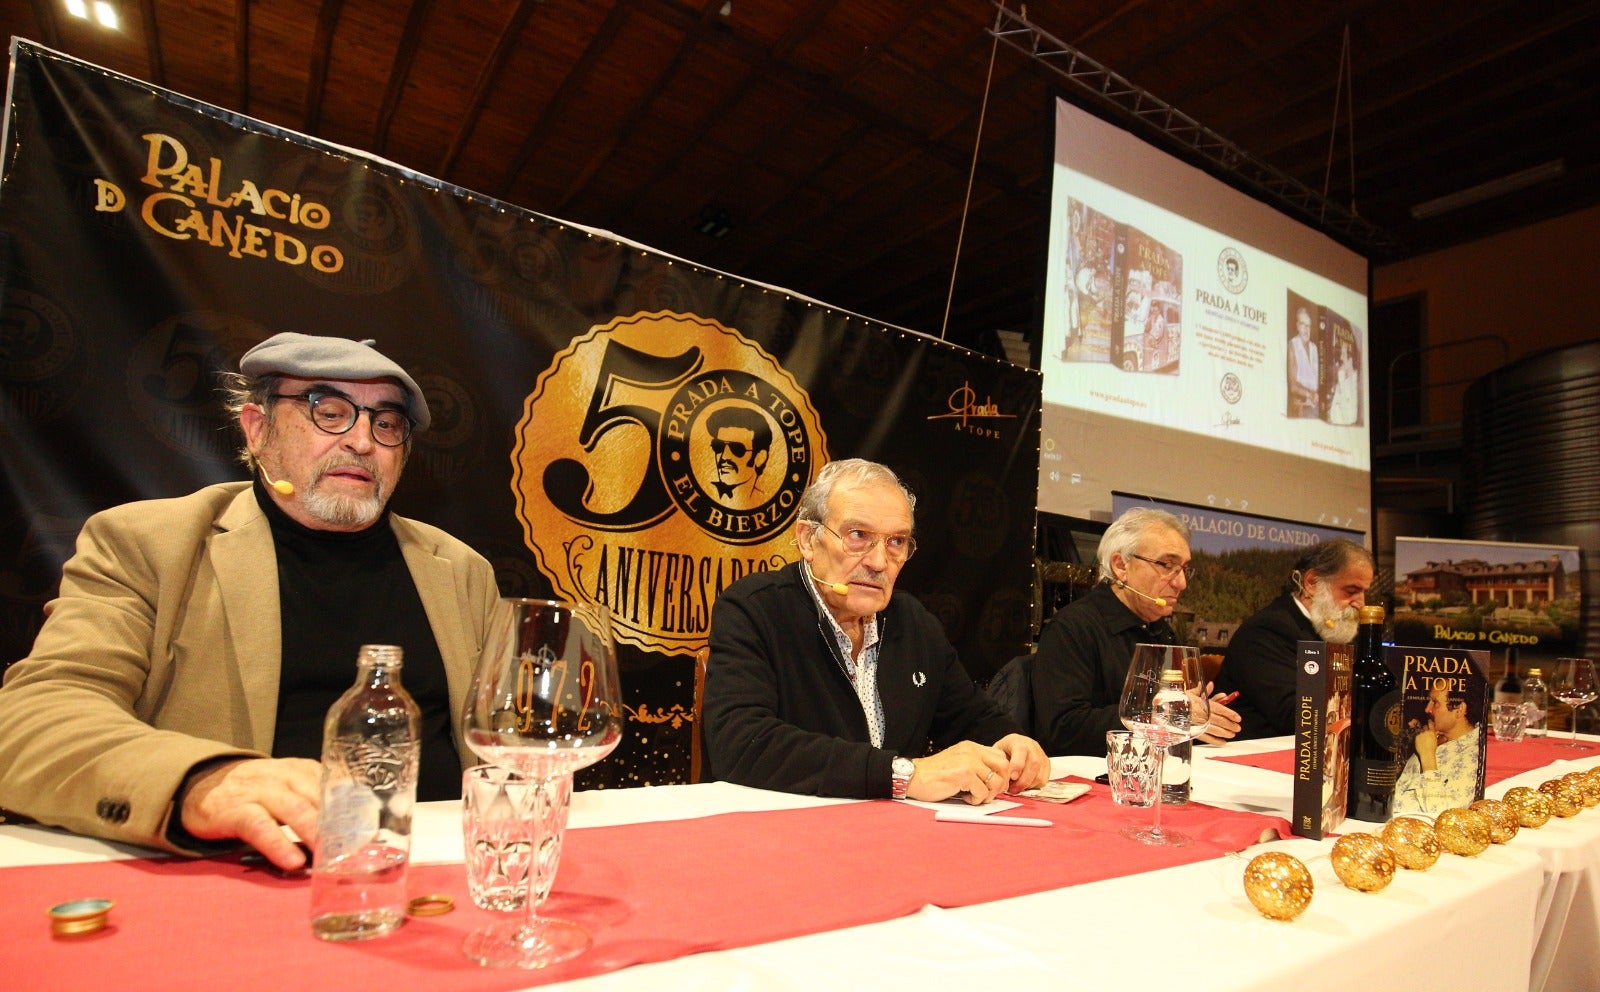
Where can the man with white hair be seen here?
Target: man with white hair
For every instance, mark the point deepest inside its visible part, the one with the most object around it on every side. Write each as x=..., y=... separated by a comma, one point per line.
x=1084, y=653
x=1322, y=601
x=819, y=682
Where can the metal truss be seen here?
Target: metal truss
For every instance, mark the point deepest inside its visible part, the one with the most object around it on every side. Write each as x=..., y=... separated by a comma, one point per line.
x=1107, y=87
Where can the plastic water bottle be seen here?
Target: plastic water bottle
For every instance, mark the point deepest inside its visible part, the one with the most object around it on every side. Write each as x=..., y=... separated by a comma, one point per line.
x=370, y=753
x=1536, y=701
x=1172, y=706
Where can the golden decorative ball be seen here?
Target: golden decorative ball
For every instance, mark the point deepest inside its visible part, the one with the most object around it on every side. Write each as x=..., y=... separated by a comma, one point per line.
x=1587, y=785
x=1363, y=862
x=1413, y=842
x=1466, y=832
x=1533, y=807
x=1278, y=884
x=1565, y=800
x=1502, y=819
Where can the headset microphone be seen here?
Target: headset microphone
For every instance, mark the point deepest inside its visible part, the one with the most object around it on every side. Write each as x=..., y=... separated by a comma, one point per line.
x=283, y=486
x=1158, y=600
x=839, y=587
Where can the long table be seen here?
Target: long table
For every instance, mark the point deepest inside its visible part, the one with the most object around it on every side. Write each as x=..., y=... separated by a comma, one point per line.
x=1521, y=915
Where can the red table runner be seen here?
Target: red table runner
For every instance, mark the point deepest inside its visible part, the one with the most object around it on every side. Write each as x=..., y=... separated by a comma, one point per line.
x=648, y=892
x=1505, y=760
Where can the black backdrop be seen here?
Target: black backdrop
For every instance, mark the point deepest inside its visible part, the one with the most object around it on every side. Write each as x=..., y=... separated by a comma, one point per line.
x=149, y=239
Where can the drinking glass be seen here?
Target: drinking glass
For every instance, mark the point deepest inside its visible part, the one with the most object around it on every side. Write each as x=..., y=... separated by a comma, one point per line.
x=1574, y=684
x=1164, y=700
x=545, y=701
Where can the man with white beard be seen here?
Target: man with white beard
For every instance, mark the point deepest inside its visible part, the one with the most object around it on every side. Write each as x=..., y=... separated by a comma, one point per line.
x=175, y=696
x=1321, y=601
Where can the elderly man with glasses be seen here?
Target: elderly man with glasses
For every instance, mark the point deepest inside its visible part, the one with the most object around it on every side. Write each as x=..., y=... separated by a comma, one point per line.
x=821, y=681
x=1084, y=653
x=176, y=692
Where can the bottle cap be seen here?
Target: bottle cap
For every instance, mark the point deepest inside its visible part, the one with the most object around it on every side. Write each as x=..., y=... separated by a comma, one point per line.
x=1534, y=673
x=80, y=916
x=1372, y=614
x=1171, y=675
x=433, y=904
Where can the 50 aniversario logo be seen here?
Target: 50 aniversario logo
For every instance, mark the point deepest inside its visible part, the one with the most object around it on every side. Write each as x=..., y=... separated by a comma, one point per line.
x=659, y=458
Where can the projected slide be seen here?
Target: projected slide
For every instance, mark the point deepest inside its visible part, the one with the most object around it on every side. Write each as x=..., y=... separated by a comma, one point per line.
x=1199, y=346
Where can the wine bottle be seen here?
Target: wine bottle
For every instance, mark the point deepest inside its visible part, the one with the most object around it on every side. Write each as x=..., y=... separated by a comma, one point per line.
x=1509, y=688
x=1374, y=723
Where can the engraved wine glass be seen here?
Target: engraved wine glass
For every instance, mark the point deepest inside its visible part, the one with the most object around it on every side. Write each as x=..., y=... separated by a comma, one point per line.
x=545, y=701
x=1164, y=700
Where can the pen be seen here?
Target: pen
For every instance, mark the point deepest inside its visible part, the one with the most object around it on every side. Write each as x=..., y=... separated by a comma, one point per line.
x=1225, y=700
x=955, y=816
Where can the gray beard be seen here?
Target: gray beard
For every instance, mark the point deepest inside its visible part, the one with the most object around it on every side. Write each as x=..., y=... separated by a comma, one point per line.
x=1323, y=609
x=345, y=511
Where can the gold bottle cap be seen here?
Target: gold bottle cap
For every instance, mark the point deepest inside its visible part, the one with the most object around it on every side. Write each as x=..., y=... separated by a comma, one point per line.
x=80, y=916
x=1372, y=614
x=434, y=904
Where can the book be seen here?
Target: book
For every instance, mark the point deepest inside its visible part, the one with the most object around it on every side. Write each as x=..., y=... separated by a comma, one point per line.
x=1324, y=364
x=1321, y=737
x=1125, y=295
x=1444, y=700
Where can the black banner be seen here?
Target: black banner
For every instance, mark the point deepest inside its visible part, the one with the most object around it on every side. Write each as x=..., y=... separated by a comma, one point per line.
x=576, y=380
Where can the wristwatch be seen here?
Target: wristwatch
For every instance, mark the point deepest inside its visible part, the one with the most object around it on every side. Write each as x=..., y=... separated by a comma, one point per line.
x=901, y=772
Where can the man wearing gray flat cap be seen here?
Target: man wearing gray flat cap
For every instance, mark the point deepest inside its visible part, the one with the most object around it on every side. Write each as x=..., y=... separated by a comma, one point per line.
x=175, y=695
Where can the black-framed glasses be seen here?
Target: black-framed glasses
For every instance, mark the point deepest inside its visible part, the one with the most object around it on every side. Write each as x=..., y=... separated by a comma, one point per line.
x=737, y=449
x=857, y=542
x=334, y=413
x=1168, y=567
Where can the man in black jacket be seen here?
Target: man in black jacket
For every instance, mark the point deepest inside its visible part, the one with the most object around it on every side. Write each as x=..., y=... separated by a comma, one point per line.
x=818, y=683
x=1085, y=652
x=1322, y=601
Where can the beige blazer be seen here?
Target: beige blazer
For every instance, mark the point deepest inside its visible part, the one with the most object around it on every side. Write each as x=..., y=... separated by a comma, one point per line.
x=163, y=650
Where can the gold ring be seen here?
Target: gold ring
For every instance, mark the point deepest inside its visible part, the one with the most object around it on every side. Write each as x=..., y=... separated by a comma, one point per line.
x=80, y=916
x=434, y=904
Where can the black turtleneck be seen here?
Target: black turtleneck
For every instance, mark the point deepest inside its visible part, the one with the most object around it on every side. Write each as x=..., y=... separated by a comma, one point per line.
x=337, y=591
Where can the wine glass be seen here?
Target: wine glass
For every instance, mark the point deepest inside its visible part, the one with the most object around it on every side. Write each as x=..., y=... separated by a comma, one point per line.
x=544, y=701
x=1574, y=684
x=1164, y=700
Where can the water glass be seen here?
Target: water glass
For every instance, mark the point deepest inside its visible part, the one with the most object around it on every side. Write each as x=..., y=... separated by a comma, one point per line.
x=1510, y=721
x=511, y=827
x=1131, y=765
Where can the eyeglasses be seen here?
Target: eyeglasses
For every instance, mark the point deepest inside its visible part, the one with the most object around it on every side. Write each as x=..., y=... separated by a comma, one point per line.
x=1168, y=567
x=336, y=414
x=737, y=449
x=898, y=547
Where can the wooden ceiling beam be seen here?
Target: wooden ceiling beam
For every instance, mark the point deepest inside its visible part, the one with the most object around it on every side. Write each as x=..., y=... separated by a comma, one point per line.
x=321, y=53
x=488, y=78
x=241, y=55
x=152, y=43
x=576, y=76
x=400, y=71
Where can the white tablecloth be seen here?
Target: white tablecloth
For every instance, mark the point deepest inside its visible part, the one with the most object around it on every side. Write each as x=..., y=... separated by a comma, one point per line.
x=1522, y=915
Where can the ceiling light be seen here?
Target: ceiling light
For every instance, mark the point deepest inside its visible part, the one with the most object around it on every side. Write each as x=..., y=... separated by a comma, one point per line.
x=1489, y=190
x=77, y=8
x=105, y=14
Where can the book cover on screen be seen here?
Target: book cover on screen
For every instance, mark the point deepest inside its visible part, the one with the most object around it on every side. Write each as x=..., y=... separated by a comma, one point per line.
x=1444, y=738
x=1124, y=293
x=1324, y=364
x=1321, y=737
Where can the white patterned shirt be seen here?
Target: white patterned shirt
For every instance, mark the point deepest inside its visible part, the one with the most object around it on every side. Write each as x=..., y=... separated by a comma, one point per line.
x=1455, y=783
x=863, y=672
